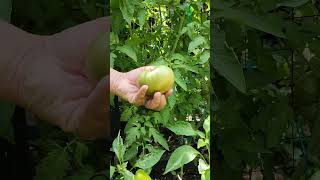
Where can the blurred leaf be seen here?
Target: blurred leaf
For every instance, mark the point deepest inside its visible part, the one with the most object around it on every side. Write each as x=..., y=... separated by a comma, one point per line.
x=54, y=166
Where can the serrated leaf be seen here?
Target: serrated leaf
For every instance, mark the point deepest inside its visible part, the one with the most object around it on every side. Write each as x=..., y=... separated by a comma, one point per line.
x=225, y=63
x=292, y=3
x=165, y=115
x=149, y=160
x=127, y=10
x=131, y=135
x=131, y=152
x=126, y=114
x=178, y=79
x=195, y=43
x=186, y=67
x=159, y=138
x=178, y=56
x=118, y=147
x=181, y=156
x=181, y=128
x=129, y=51
x=54, y=166
x=268, y=24
x=172, y=100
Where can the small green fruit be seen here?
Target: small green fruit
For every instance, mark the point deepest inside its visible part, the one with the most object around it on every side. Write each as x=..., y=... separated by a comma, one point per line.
x=160, y=79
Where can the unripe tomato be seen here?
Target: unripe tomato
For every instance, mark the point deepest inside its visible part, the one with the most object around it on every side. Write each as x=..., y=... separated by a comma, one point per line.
x=141, y=175
x=97, y=59
x=159, y=79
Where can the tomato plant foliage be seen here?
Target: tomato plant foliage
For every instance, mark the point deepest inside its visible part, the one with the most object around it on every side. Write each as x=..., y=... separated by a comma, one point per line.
x=265, y=87
x=175, y=34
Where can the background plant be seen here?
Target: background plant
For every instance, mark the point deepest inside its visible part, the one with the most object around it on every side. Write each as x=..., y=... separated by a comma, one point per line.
x=174, y=33
x=265, y=88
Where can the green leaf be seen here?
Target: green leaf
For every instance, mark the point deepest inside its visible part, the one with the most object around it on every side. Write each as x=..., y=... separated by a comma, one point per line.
x=269, y=24
x=6, y=128
x=131, y=152
x=165, y=115
x=195, y=43
x=204, y=58
x=184, y=66
x=179, y=80
x=54, y=166
x=225, y=63
x=129, y=51
x=149, y=160
x=81, y=152
x=172, y=100
x=112, y=171
x=128, y=175
x=158, y=138
x=203, y=166
x=178, y=56
x=315, y=176
x=181, y=128
x=206, y=124
x=201, y=143
x=118, y=147
x=127, y=10
x=292, y=3
x=5, y=10
x=141, y=17
x=112, y=59
x=132, y=134
x=181, y=156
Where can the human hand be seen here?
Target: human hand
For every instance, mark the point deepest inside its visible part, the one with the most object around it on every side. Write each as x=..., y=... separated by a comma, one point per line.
x=127, y=87
x=55, y=86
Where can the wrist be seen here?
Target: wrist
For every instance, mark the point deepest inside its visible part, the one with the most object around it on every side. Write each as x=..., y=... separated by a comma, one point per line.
x=115, y=79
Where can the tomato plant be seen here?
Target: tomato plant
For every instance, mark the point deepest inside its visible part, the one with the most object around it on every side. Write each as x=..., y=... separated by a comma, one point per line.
x=265, y=59
x=174, y=34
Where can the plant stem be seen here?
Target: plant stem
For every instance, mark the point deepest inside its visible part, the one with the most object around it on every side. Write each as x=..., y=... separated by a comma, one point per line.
x=178, y=37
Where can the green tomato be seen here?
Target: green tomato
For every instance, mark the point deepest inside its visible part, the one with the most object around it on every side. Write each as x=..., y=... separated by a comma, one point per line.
x=160, y=79
x=141, y=175
x=98, y=59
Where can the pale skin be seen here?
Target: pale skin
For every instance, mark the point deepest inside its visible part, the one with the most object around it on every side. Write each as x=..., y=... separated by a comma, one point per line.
x=46, y=75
